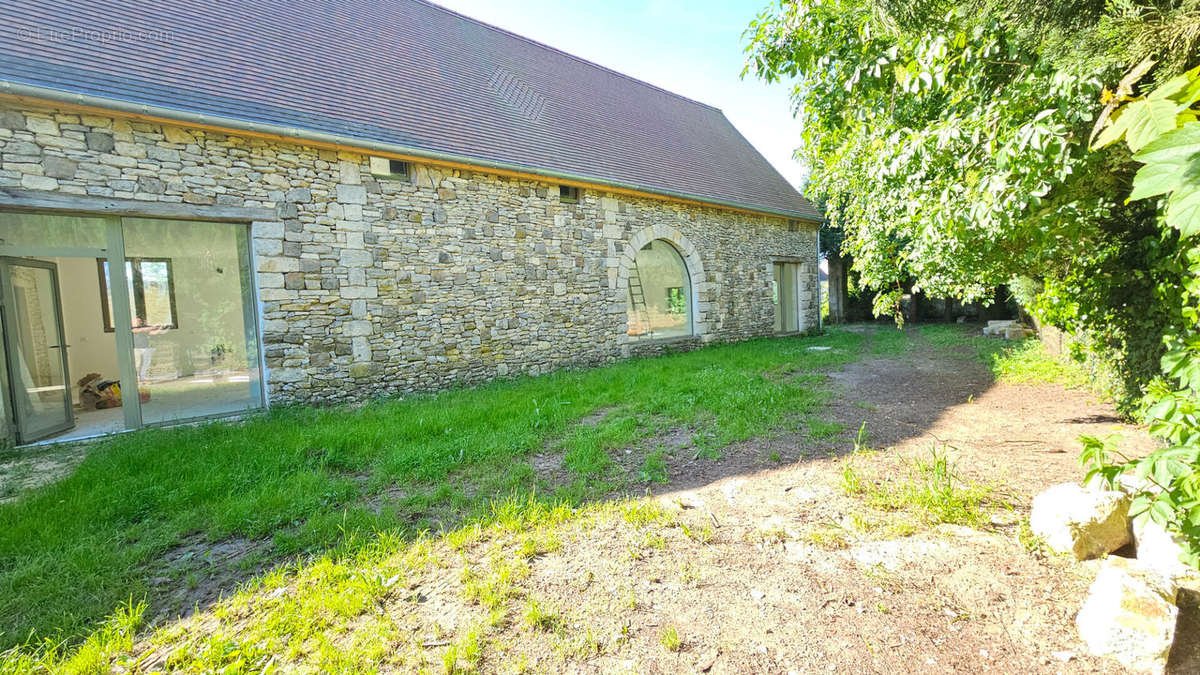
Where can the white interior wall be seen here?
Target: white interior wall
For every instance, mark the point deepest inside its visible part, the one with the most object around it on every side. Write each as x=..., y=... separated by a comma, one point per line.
x=208, y=301
x=91, y=350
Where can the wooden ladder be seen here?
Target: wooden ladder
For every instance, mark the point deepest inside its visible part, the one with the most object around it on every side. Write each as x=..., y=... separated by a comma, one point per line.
x=637, y=295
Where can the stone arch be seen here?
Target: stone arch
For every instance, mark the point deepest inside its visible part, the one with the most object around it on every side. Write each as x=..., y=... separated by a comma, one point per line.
x=691, y=259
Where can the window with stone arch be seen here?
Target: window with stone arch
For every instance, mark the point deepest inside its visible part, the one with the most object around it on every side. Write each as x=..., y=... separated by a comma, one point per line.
x=660, y=293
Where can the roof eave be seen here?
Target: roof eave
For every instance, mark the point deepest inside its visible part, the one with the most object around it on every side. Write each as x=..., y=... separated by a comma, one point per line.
x=236, y=124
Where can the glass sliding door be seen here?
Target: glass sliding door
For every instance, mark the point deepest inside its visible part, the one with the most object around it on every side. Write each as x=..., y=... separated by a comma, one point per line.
x=36, y=248
x=194, y=339
x=112, y=323
x=35, y=347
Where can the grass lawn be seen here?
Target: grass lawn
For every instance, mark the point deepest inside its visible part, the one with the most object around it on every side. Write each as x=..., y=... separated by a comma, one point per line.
x=335, y=482
x=345, y=514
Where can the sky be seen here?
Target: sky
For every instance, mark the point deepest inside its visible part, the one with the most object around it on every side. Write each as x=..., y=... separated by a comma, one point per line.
x=691, y=48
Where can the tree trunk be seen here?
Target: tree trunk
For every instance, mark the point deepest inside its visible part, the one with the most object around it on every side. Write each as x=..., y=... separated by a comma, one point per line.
x=839, y=296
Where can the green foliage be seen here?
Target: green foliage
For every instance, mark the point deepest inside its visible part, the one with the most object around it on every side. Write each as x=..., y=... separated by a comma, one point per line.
x=949, y=146
x=937, y=141
x=960, y=145
x=1162, y=128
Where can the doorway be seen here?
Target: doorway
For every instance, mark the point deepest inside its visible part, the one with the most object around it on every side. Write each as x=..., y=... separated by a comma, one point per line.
x=34, y=343
x=786, y=298
x=116, y=323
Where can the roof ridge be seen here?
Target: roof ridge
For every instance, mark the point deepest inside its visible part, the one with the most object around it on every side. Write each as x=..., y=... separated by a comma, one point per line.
x=556, y=50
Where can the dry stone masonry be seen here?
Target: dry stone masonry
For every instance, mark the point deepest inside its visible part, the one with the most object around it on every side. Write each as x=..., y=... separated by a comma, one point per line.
x=370, y=284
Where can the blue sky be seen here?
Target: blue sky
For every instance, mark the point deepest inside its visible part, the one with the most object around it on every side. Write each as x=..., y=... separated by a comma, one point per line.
x=691, y=48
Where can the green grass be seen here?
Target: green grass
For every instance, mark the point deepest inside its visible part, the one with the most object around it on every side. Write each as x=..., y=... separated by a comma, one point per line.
x=1028, y=362
x=890, y=341
x=302, y=479
x=1015, y=362
x=929, y=490
x=654, y=467
x=669, y=639
x=538, y=617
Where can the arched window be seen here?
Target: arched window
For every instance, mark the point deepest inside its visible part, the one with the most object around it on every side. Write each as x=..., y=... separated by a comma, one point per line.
x=660, y=293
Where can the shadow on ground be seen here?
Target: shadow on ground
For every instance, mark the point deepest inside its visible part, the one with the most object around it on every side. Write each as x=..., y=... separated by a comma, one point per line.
x=918, y=397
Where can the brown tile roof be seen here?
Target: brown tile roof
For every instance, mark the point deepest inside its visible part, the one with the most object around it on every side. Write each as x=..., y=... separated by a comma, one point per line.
x=399, y=72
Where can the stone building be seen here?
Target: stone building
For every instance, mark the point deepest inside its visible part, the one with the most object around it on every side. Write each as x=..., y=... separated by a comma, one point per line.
x=317, y=208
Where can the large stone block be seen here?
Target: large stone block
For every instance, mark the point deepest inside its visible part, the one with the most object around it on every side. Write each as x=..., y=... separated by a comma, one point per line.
x=41, y=125
x=355, y=257
x=357, y=292
x=136, y=150
x=287, y=375
x=350, y=172
x=1130, y=615
x=60, y=167
x=267, y=229
x=178, y=135
x=1084, y=522
x=358, y=328
x=11, y=119
x=1158, y=549
x=34, y=182
x=299, y=195
x=278, y=264
x=351, y=194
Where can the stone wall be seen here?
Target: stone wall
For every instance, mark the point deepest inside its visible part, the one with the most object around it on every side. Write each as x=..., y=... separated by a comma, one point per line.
x=370, y=285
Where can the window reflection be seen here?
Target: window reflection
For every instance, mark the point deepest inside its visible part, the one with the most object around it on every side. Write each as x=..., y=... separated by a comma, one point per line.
x=659, y=293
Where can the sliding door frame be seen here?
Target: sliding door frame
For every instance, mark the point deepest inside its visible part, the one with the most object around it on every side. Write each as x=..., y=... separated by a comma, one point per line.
x=12, y=343
x=114, y=253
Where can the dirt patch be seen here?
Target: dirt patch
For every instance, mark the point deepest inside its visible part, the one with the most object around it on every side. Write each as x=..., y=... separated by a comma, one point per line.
x=595, y=418
x=551, y=469
x=760, y=595
x=197, y=573
x=1022, y=436
x=28, y=468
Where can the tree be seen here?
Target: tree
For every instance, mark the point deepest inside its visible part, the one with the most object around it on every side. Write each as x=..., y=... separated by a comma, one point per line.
x=950, y=142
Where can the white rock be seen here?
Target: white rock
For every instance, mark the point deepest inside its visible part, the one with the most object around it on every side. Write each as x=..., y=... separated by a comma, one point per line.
x=1016, y=333
x=1081, y=521
x=1130, y=615
x=1157, y=548
x=998, y=327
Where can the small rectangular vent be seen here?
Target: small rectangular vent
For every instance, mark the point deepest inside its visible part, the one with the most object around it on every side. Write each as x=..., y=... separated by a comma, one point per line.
x=389, y=168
